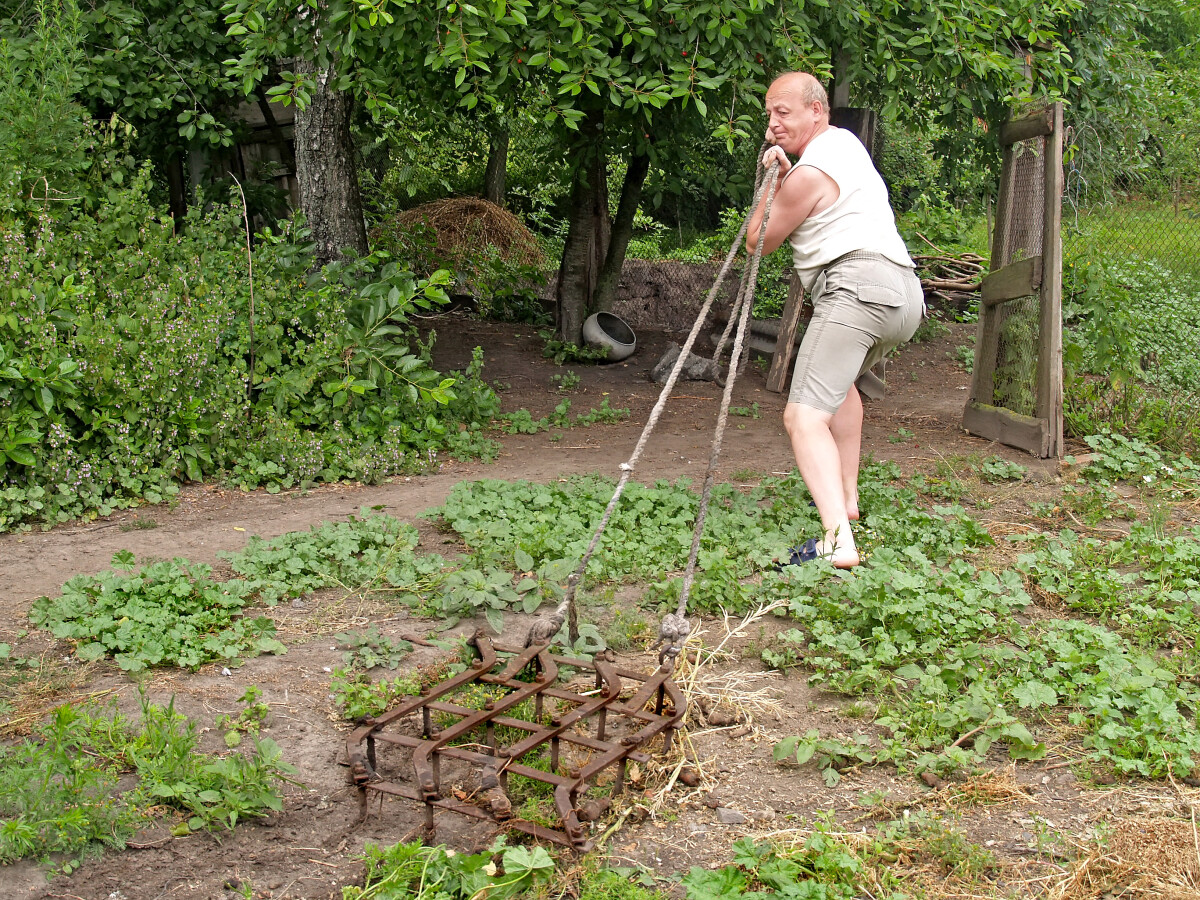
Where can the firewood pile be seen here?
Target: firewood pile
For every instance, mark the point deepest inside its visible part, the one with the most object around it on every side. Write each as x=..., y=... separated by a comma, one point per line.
x=951, y=281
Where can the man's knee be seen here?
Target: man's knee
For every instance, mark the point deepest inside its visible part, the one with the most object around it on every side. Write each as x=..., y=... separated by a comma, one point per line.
x=800, y=418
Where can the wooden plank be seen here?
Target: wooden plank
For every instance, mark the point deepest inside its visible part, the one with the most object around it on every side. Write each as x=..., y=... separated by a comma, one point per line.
x=1007, y=427
x=1019, y=279
x=777, y=376
x=1049, y=403
x=1030, y=127
x=987, y=333
x=1004, y=211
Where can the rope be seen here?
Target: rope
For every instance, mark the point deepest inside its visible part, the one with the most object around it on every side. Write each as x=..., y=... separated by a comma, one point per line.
x=675, y=627
x=760, y=173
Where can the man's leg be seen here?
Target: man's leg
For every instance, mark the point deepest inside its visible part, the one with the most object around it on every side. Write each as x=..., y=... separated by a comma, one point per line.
x=819, y=458
x=846, y=427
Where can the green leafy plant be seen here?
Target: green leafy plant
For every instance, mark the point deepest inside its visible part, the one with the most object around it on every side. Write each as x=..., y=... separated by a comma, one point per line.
x=167, y=613
x=565, y=381
x=996, y=469
x=823, y=869
x=249, y=721
x=359, y=696
x=522, y=422
x=60, y=790
x=830, y=755
x=565, y=351
x=367, y=649
x=932, y=328
x=965, y=357
x=786, y=651
x=350, y=554
x=434, y=873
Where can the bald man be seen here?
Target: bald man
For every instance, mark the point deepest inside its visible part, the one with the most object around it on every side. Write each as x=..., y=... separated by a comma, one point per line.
x=832, y=208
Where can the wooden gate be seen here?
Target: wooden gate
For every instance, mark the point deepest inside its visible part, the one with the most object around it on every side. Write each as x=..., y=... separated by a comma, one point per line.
x=1016, y=390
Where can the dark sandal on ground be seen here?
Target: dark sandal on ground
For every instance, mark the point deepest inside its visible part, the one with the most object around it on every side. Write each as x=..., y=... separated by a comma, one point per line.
x=798, y=556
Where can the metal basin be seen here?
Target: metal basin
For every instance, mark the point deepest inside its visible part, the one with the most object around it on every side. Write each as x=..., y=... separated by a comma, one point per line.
x=603, y=329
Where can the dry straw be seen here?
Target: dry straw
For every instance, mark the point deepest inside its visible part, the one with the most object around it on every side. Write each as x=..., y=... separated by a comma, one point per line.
x=462, y=225
x=1142, y=857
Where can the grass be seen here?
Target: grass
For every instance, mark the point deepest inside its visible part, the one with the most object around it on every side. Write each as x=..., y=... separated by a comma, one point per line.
x=59, y=790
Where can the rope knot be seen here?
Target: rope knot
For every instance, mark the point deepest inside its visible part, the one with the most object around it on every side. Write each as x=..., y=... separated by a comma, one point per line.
x=672, y=633
x=543, y=630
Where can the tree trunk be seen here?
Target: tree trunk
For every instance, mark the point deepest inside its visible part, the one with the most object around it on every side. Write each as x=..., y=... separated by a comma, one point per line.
x=325, y=170
x=622, y=231
x=177, y=188
x=496, y=174
x=588, y=232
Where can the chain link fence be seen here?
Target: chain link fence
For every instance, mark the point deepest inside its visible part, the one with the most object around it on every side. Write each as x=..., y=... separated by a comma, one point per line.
x=1132, y=206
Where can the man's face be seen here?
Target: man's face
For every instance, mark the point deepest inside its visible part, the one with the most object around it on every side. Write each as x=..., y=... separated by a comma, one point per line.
x=792, y=122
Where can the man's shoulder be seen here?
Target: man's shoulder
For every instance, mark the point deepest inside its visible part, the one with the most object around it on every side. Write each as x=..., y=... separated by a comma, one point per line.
x=840, y=137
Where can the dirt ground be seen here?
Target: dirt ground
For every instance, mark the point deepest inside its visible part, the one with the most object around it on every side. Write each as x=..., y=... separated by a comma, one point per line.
x=309, y=850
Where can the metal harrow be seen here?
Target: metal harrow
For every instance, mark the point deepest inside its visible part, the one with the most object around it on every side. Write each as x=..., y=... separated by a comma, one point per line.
x=608, y=726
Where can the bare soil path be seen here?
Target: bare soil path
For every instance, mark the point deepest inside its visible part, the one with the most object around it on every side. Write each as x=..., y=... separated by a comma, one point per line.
x=308, y=850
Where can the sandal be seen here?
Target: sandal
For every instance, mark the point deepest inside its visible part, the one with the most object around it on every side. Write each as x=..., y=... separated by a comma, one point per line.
x=798, y=556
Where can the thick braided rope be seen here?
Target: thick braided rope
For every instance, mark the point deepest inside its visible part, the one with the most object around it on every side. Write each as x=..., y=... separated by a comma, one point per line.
x=565, y=611
x=736, y=308
x=675, y=628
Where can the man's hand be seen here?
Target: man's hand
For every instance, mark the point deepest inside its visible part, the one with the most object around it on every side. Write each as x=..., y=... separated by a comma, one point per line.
x=776, y=154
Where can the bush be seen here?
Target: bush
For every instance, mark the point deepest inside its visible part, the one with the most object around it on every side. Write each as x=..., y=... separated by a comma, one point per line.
x=133, y=357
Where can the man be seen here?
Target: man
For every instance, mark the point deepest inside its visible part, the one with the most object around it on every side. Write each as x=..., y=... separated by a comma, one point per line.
x=832, y=207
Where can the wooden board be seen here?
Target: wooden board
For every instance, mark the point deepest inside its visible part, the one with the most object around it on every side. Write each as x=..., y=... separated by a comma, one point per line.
x=1019, y=279
x=784, y=342
x=1037, y=276
x=1030, y=127
x=1007, y=427
x=1050, y=352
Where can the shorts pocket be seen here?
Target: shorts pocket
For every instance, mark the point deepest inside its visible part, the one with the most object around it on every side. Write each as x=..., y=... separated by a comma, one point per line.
x=886, y=286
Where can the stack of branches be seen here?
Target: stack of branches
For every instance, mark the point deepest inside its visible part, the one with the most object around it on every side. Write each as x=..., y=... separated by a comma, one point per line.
x=951, y=281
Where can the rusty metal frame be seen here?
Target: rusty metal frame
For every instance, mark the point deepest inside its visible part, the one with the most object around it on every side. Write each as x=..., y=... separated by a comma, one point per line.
x=629, y=721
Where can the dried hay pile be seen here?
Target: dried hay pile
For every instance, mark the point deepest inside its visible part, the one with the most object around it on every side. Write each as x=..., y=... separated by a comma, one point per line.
x=462, y=225
x=1152, y=857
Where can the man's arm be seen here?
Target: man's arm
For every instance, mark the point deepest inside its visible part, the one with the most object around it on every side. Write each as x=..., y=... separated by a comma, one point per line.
x=807, y=192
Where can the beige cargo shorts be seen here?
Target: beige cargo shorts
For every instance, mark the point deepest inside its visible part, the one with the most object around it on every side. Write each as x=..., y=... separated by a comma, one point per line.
x=864, y=305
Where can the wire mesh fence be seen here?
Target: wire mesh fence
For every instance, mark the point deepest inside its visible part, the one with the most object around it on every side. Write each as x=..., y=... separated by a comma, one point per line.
x=1117, y=207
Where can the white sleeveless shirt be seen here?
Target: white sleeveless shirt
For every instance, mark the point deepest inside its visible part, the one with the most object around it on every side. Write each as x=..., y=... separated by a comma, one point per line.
x=861, y=217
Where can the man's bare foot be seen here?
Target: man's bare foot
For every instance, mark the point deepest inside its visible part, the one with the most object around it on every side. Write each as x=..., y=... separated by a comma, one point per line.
x=841, y=556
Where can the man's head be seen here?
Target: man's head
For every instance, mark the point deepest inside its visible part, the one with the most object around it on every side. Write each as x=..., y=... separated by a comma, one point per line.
x=799, y=110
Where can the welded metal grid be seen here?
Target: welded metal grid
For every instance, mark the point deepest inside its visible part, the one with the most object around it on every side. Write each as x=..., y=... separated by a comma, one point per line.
x=447, y=756
x=1014, y=381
